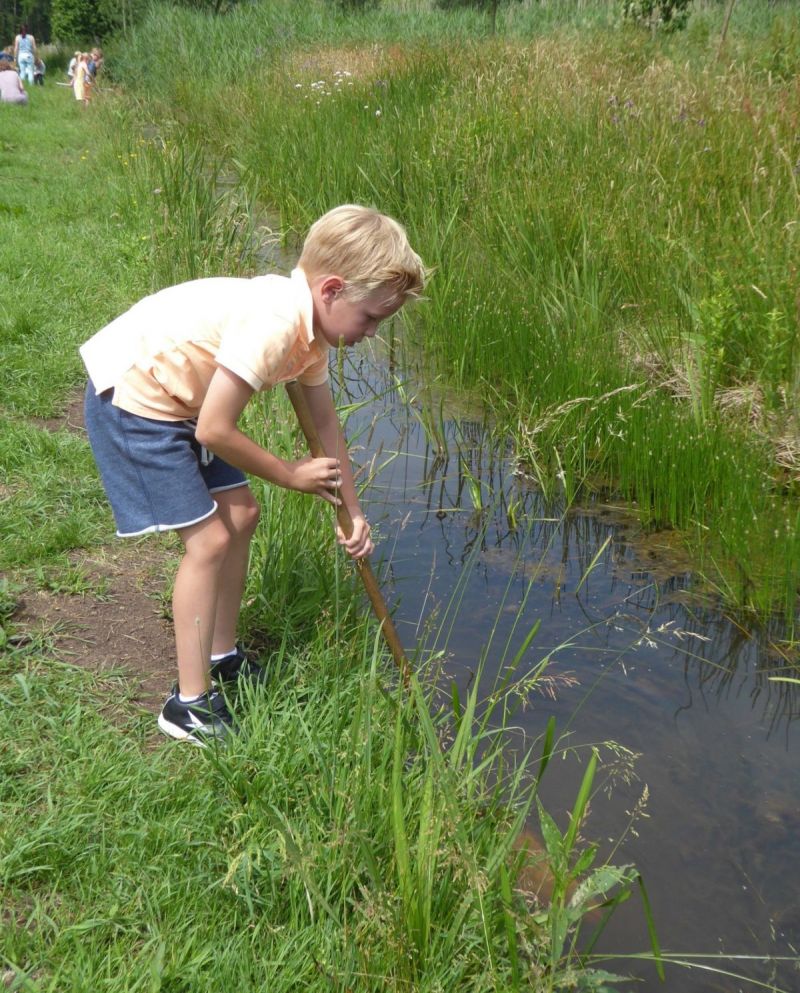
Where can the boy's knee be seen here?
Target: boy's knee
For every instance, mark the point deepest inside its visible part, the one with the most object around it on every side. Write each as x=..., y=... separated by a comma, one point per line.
x=247, y=518
x=240, y=513
x=211, y=544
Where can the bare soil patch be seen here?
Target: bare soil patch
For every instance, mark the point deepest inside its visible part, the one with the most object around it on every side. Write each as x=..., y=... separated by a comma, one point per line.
x=118, y=626
x=70, y=420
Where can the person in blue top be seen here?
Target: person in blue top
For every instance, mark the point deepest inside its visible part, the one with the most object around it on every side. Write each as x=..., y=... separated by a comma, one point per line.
x=25, y=53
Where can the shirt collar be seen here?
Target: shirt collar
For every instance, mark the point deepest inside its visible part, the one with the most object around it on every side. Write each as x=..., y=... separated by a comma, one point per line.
x=300, y=282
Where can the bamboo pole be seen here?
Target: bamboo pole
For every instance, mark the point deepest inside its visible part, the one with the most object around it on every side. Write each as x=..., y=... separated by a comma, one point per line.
x=379, y=607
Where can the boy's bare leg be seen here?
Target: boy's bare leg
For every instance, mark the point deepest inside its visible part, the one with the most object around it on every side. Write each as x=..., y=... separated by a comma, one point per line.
x=194, y=600
x=239, y=512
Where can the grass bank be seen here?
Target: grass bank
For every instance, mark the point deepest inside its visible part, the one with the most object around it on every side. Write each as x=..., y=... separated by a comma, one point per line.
x=357, y=835
x=612, y=216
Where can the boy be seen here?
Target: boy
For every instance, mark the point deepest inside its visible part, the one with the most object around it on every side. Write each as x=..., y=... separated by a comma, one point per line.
x=168, y=382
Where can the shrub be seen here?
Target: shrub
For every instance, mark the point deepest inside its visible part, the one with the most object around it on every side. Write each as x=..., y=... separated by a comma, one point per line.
x=673, y=14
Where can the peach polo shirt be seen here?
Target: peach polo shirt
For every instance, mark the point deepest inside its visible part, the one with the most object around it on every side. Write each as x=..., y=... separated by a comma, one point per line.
x=161, y=354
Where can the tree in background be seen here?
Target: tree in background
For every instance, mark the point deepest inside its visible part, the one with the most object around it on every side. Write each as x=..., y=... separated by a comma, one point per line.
x=77, y=21
x=80, y=21
x=34, y=13
x=488, y=5
x=672, y=14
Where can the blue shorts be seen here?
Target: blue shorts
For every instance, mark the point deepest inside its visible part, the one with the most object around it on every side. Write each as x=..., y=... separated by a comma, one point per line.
x=155, y=474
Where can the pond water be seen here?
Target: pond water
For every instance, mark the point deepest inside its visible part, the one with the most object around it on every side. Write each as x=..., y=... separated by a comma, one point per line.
x=683, y=686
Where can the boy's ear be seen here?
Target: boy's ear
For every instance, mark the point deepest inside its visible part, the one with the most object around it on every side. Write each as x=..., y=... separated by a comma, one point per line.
x=330, y=288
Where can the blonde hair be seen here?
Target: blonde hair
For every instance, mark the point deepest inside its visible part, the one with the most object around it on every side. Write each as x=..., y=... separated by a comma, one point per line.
x=367, y=249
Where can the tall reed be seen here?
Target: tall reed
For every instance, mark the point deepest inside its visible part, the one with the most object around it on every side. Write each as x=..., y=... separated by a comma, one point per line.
x=603, y=209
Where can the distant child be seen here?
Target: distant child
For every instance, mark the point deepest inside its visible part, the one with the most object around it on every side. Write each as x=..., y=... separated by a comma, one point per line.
x=82, y=81
x=95, y=63
x=169, y=380
x=73, y=66
x=39, y=69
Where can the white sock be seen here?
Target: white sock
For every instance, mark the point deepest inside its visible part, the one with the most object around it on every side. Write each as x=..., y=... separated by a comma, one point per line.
x=188, y=699
x=223, y=655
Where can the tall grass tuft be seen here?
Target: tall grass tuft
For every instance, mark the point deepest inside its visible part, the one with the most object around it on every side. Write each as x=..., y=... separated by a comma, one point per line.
x=355, y=833
x=603, y=208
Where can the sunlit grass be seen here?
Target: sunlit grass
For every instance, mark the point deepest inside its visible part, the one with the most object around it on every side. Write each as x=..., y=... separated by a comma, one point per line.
x=358, y=836
x=603, y=209
x=341, y=839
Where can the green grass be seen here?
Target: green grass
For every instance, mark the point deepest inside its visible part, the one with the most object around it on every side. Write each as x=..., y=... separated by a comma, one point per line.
x=603, y=209
x=357, y=835
x=66, y=273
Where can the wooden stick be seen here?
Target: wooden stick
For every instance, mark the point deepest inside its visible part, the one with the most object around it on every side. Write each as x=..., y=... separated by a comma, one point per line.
x=295, y=391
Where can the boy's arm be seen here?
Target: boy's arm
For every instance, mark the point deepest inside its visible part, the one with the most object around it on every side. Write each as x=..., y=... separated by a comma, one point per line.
x=217, y=429
x=320, y=404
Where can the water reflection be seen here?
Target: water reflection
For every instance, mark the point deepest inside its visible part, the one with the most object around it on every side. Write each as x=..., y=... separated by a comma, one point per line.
x=474, y=555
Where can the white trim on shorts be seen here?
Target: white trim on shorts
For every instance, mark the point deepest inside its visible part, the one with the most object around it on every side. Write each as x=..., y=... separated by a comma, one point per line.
x=230, y=486
x=158, y=528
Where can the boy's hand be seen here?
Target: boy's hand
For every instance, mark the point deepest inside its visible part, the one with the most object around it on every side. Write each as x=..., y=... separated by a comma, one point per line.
x=359, y=544
x=320, y=477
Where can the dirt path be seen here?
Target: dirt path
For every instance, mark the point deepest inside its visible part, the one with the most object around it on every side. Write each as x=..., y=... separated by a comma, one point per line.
x=121, y=626
x=119, y=623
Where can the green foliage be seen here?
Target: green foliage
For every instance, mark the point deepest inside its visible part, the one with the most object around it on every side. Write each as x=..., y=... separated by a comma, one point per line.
x=90, y=21
x=778, y=375
x=716, y=330
x=34, y=13
x=55, y=214
x=9, y=599
x=209, y=6
x=579, y=890
x=77, y=21
x=196, y=220
x=670, y=14
x=352, y=830
x=782, y=52
x=614, y=242
x=355, y=6
x=489, y=5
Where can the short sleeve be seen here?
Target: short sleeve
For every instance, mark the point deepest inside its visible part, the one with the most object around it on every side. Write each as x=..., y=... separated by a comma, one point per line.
x=317, y=373
x=257, y=351
x=259, y=338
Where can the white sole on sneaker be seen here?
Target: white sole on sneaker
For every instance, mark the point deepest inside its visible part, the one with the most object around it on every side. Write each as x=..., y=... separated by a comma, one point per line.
x=174, y=731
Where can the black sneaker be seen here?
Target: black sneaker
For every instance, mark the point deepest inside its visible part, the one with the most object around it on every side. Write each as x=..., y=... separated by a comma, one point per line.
x=204, y=720
x=236, y=667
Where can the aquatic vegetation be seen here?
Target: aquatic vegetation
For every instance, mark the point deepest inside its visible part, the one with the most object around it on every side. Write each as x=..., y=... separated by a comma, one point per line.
x=613, y=230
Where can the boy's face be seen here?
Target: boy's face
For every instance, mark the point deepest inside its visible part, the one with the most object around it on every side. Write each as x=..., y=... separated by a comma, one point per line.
x=340, y=319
